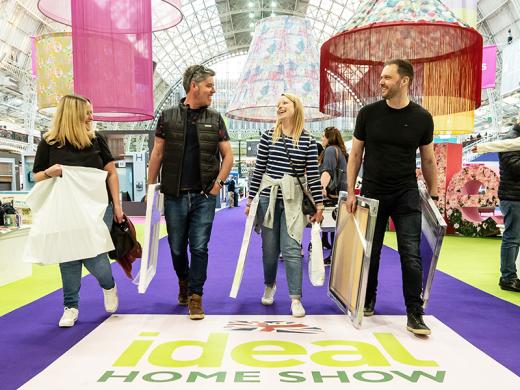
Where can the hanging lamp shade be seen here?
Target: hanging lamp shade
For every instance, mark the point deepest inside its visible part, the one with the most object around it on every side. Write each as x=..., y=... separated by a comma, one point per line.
x=446, y=54
x=283, y=57
x=53, y=67
x=166, y=13
x=112, y=56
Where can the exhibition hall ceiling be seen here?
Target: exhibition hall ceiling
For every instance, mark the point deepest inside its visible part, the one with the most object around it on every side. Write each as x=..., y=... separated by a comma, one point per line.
x=213, y=30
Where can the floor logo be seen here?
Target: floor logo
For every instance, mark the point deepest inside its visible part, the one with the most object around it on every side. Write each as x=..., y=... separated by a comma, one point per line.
x=227, y=352
x=272, y=326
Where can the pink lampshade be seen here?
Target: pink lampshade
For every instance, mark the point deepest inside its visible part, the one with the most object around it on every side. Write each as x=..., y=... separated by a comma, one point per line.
x=112, y=58
x=166, y=13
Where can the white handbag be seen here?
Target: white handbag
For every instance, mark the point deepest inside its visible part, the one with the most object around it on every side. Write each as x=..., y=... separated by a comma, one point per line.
x=316, y=266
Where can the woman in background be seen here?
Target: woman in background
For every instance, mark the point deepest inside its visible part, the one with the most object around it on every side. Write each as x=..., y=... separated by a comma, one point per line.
x=72, y=141
x=333, y=161
x=280, y=196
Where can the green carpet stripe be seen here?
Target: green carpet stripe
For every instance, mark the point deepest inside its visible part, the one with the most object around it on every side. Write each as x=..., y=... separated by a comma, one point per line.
x=44, y=280
x=475, y=261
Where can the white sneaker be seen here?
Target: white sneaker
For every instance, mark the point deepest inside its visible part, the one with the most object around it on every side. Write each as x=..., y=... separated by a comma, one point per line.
x=69, y=317
x=297, y=308
x=268, y=297
x=111, y=300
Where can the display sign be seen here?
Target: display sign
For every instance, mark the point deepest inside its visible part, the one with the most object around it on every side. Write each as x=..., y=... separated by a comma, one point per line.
x=510, y=68
x=433, y=230
x=489, y=66
x=350, y=260
x=152, y=227
x=239, y=271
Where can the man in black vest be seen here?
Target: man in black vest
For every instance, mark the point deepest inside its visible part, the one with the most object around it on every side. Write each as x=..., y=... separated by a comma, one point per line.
x=390, y=131
x=190, y=141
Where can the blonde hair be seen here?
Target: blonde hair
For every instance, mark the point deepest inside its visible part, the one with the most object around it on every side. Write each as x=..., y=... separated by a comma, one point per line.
x=68, y=124
x=298, y=120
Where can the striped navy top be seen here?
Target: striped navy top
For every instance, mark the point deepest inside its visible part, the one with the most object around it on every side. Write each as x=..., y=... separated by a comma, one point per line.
x=272, y=159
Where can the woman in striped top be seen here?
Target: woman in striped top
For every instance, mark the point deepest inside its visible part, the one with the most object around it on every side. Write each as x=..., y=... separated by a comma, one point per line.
x=279, y=212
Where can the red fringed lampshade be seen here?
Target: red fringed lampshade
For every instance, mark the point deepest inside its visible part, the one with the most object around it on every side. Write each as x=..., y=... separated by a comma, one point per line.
x=446, y=54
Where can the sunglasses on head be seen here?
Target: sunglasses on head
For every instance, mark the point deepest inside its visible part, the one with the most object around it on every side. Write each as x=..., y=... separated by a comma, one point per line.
x=199, y=69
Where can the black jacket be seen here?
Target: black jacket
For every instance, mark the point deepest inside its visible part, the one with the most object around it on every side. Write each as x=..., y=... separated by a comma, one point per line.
x=509, y=188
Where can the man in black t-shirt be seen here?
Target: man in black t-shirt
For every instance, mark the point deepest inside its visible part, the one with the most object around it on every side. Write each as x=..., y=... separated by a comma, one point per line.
x=389, y=132
x=190, y=141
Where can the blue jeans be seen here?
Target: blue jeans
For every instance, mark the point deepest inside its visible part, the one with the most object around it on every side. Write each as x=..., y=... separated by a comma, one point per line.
x=275, y=240
x=189, y=218
x=405, y=209
x=510, y=239
x=98, y=266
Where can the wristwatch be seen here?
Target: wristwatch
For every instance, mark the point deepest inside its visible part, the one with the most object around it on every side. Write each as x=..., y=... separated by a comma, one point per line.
x=434, y=197
x=220, y=182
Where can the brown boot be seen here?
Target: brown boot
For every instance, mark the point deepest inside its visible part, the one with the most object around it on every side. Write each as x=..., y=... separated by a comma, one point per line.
x=182, y=299
x=195, y=307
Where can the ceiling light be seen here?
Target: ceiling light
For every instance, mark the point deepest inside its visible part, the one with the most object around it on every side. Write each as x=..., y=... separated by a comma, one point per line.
x=251, y=15
x=273, y=3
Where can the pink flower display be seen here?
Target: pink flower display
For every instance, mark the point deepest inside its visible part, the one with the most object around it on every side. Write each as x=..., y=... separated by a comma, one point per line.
x=471, y=191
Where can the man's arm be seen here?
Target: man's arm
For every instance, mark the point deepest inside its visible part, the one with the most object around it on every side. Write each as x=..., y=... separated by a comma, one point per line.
x=353, y=166
x=154, y=165
x=506, y=145
x=429, y=167
x=226, y=153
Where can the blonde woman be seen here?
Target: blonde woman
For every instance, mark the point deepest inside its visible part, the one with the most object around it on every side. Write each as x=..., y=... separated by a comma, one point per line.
x=72, y=141
x=282, y=151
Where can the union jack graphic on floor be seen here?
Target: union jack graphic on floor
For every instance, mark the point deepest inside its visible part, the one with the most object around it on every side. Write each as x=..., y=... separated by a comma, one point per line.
x=272, y=326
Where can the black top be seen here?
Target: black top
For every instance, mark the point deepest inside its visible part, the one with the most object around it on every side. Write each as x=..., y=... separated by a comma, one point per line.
x=190, y=179
x=391, y=138
x=96, y=156
x=509, y=186
x=230, y=185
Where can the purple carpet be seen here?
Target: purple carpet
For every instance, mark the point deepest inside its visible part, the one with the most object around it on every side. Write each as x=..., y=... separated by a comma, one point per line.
x=30, y=338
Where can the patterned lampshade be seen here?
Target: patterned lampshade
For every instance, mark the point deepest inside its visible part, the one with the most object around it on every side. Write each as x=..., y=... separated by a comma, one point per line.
x=445, y=52
x=53, y=63
x=283, y=57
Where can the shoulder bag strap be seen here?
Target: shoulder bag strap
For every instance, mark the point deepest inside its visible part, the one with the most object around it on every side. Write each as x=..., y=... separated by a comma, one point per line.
x=290, y=162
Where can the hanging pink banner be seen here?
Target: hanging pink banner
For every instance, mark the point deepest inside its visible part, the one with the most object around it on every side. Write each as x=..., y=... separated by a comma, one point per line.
x=489, y=66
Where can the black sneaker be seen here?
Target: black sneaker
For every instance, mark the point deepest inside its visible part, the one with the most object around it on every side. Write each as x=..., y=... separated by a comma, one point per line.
x=326, y=261
x=510, y=285
x=416, y=325
x=369, y=308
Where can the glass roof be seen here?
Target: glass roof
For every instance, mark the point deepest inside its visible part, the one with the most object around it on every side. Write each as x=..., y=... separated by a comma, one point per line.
x=211, y=30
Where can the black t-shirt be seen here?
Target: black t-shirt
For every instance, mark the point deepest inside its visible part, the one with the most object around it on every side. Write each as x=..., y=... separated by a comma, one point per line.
x=391, y=138
x=96, y=156
x=190, y=179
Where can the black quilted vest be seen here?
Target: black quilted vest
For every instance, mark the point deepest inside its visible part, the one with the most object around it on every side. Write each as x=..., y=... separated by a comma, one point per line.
x=174, y=122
